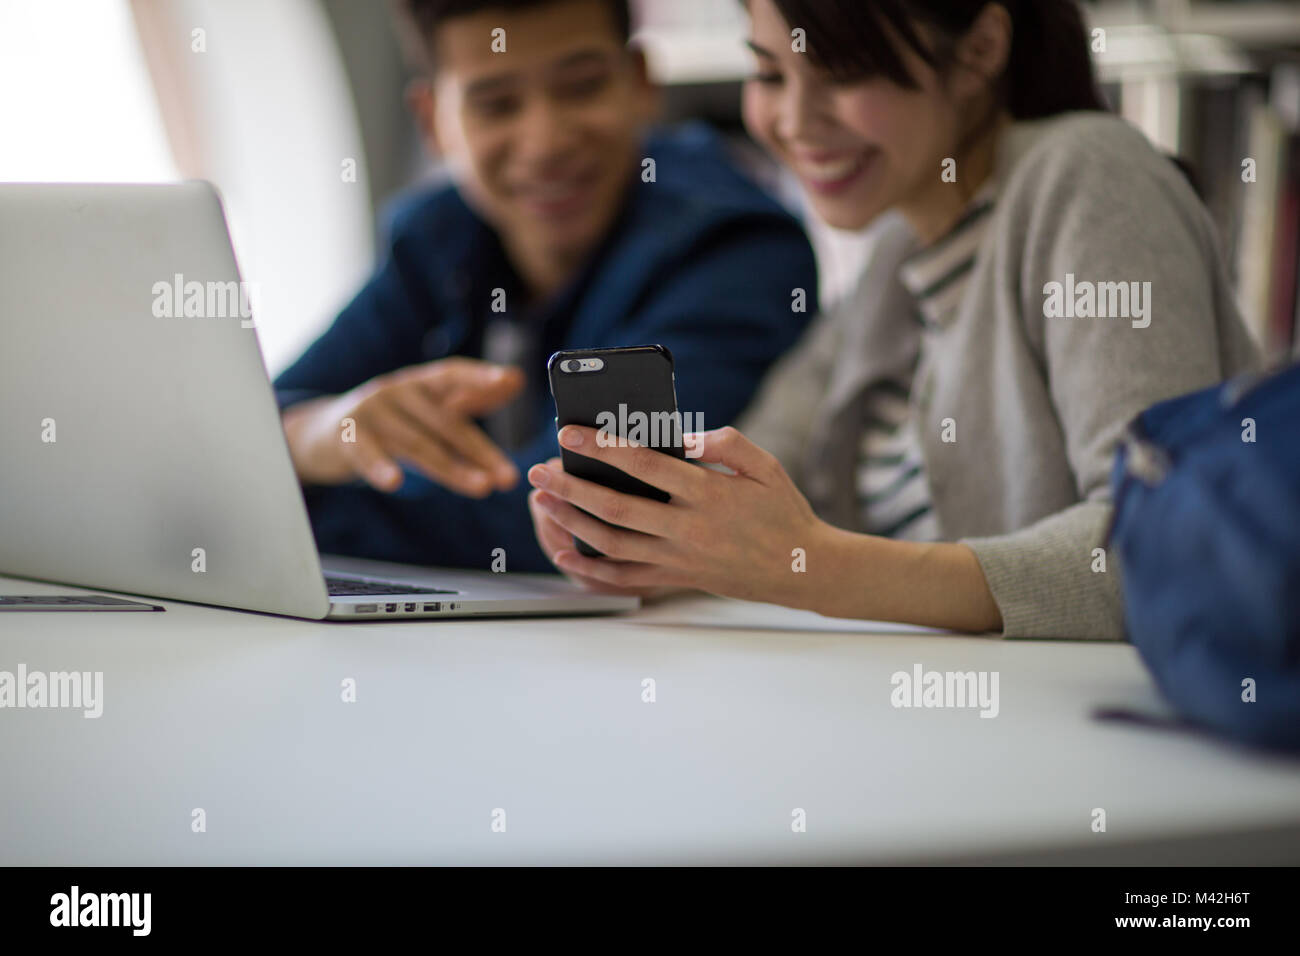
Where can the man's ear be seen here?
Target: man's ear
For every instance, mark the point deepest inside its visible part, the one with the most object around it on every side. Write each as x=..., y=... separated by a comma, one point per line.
x=983, y=52
x=649, y=93
x=422, y=101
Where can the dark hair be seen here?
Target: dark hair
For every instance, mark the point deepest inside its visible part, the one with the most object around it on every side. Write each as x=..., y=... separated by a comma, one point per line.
x=1049, y=69
x=427, y=15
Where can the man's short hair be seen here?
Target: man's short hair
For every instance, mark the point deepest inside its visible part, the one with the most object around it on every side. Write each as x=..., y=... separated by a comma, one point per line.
x=423, y=17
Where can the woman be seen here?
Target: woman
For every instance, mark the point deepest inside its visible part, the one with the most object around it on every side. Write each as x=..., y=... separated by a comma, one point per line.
x=937, y=451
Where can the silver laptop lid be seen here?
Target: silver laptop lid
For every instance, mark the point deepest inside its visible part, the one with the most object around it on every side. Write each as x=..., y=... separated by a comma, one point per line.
x=139, y=433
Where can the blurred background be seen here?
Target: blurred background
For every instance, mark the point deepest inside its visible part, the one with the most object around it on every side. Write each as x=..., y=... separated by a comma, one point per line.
x=294, y=109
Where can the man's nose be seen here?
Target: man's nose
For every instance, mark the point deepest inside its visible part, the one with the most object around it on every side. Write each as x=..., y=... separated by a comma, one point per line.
x=545, y=132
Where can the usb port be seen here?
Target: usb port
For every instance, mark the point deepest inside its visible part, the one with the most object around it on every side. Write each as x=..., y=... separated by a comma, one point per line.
x=367, y=608
x=410, y=608
x=434, y=606
x=390, y=608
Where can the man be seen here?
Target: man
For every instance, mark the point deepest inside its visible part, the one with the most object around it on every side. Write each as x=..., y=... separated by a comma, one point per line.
x=564, y=226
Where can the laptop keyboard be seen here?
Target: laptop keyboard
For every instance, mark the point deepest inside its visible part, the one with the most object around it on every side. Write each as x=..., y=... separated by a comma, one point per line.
x=342, y=587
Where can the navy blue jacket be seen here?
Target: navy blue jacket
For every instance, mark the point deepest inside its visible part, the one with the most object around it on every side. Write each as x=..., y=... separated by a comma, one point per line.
x=700, y=260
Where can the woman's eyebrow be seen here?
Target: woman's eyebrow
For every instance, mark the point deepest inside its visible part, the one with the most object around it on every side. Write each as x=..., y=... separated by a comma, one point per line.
x=760, y=50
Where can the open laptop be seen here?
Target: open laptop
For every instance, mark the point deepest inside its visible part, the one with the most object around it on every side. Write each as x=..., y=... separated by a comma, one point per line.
x=140, y=447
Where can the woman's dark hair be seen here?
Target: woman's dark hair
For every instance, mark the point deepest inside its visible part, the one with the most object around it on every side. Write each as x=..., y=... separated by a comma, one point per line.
x=1049, y=69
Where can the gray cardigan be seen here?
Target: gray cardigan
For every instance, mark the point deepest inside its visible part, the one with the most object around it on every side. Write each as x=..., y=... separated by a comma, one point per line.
x=1035, y=404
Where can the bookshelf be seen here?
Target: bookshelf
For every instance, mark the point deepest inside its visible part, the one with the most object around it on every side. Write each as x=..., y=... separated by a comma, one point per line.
x=1218, y=84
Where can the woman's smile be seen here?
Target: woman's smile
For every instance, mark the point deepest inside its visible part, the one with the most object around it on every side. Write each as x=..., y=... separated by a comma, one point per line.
x=833, y=173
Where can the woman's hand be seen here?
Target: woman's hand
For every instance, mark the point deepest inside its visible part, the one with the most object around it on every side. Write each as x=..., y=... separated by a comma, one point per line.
x=746, y=534
x=554, y=540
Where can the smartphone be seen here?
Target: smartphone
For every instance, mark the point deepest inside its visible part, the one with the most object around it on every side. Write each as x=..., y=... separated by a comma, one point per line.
x=627, y=392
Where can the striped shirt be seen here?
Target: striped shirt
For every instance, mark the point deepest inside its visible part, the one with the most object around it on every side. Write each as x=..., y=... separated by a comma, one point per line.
x=893, y=495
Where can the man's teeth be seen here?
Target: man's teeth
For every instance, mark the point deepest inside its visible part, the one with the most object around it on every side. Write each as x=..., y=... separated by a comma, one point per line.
x=554, y=191
x=832, y=170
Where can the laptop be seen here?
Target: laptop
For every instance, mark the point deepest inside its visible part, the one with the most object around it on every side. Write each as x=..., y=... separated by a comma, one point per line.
x=142, y=447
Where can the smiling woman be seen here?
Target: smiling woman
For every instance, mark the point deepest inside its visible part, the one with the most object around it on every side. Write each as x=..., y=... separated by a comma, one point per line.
x=914, y=85
x=937, y=449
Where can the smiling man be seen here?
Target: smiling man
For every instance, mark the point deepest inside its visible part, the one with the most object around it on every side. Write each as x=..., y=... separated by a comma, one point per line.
x=566, y=223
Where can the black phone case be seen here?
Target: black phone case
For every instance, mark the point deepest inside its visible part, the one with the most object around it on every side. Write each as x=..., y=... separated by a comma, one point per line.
x=639, y=377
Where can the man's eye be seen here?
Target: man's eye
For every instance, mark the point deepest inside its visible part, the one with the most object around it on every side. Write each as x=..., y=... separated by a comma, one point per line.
x=767, y=79
x=583, y=87
x=496, y=106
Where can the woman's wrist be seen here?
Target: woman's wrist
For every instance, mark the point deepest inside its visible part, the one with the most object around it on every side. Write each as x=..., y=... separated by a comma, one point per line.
x=838, y=577
x=934, y=584
x=817, y=577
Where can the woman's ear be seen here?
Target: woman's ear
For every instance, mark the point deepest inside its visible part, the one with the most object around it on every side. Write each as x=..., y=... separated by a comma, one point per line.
x=422, y=101
x=983, y=52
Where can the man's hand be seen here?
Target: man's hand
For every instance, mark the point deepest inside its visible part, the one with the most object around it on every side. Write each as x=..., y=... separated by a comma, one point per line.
x=422, y=415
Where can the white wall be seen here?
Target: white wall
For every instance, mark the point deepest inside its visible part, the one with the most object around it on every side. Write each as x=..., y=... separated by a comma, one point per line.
x=271, y=107
x=277, y=122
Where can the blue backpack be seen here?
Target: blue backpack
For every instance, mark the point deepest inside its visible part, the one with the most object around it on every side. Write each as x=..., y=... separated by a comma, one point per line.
x=1207, y=529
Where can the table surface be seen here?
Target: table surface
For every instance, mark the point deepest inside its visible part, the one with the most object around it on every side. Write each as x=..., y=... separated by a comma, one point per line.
x=759, y=712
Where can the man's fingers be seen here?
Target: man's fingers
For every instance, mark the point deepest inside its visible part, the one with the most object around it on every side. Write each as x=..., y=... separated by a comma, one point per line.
x=460, y=435
x=373, y=466
x=469, y=386
x=402, y=438
x=478, y=399
x=673, y=475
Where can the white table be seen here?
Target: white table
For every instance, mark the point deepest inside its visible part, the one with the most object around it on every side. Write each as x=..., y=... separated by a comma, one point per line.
x=759, y=711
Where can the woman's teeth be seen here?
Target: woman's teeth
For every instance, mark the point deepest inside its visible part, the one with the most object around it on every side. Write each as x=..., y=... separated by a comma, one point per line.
x=832, y=171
